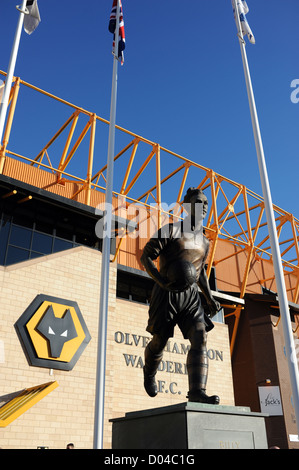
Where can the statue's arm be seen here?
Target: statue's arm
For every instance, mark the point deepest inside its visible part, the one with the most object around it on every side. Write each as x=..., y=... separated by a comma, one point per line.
x=153, y=271
x=203, y=283
x=152, y=251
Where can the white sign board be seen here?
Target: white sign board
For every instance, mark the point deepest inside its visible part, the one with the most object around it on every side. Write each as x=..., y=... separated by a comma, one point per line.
x=270, y=400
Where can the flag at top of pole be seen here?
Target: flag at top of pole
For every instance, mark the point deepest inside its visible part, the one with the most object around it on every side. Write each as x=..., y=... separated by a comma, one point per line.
x=32, y=18
x=121, y=34
x=243, y=9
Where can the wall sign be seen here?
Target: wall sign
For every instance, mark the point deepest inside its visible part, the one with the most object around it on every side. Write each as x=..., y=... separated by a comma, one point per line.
x=53, y=332
x=172, y=367
x=270, y=400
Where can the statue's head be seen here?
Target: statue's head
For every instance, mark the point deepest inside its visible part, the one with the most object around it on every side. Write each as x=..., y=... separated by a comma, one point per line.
x=195, y=200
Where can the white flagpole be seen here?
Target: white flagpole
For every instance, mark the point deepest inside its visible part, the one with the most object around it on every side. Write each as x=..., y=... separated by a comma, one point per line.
x=102, y=332
x=276, y=256
x=11, y=68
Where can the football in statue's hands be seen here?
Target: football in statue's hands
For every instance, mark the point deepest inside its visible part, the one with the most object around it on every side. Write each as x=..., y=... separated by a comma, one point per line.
x=181, y=274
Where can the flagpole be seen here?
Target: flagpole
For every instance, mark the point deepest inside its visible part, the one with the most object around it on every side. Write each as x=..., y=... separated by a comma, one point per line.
x=276, y=256
x=11, y=68
x=102, y=332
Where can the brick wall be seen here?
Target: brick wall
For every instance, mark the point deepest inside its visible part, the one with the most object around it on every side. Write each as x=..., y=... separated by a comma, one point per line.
x=67, y=413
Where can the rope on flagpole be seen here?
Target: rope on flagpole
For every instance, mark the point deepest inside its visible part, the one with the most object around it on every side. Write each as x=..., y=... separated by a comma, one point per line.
x=26, y=11
x=241, y=38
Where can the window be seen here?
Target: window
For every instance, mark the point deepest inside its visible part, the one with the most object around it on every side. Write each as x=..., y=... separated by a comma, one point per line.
x=44, y=227
x=4, y=234
x=20, y=236
x=60, y=245
x=133, y=287
x=15, y=255
x=42, y=243
x=40, y=228
x=20, y=243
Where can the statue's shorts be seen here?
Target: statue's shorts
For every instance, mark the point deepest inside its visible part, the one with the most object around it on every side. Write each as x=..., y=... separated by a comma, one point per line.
x=168, y=309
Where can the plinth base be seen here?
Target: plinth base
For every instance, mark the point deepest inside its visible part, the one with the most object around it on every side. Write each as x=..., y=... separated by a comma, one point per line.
x=190, y=426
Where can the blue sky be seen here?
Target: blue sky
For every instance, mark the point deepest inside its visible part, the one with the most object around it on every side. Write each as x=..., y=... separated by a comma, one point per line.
x=182, y=84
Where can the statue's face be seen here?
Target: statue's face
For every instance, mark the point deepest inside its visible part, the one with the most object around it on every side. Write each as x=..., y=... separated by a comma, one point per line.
x=199, y=202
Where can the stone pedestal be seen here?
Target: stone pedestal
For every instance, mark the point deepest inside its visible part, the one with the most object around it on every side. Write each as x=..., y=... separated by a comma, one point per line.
x=190, y=426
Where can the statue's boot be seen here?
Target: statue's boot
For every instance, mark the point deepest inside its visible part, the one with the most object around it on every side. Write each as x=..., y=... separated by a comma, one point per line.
x=200, y=396
x=150, y=368
x=197, y=367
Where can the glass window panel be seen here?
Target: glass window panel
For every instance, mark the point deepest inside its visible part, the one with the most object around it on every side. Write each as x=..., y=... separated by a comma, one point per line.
x=20, y=236
x=4, y=232
x=64, y=232
x=23, y=220
x=123, y=295
x=35, y=255
x=42, y=243
x=15, y=255
x=87, y=239
x=60, y=245
x=6, y=219
x=43, y=227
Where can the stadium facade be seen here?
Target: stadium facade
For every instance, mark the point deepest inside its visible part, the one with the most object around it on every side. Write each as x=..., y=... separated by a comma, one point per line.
x=50, y=274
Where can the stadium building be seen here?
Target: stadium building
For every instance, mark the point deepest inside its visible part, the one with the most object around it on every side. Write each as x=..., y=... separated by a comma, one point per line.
x=52, y=193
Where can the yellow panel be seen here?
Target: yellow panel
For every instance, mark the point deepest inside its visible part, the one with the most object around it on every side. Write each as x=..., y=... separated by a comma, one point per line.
x=22, y=402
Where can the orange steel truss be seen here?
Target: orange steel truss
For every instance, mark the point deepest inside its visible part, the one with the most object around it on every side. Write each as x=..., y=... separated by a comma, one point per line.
x=146, y=174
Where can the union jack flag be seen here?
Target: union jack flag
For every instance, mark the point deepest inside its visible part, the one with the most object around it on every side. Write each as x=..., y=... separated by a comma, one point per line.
x=121, y=34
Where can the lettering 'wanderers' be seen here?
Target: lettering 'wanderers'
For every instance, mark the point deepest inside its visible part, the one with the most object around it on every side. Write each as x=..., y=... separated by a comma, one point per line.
x=133, y=360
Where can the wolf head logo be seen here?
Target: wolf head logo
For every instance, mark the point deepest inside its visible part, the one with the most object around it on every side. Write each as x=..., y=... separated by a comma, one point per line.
x=57, y=330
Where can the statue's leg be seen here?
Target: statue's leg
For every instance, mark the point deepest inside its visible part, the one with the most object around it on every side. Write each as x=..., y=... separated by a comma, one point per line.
x=152, y=357
x=197, y=366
